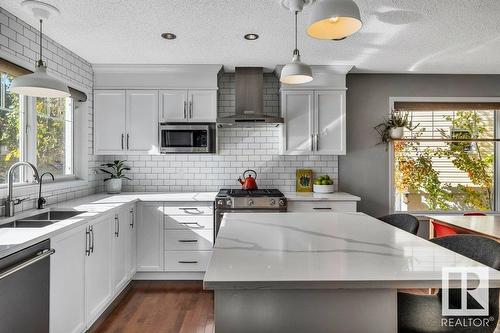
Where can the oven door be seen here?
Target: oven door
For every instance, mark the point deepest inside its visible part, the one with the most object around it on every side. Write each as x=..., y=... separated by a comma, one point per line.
x=185, y=139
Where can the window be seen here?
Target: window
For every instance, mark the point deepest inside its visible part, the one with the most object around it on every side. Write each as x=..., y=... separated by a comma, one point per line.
x=10, y=128
x=447, y=162
x=37, y=130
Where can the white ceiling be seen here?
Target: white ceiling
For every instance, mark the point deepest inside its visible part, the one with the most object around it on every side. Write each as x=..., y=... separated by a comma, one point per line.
x=399, y=36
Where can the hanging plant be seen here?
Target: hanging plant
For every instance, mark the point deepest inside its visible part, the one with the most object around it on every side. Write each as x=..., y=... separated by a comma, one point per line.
x=393, y=127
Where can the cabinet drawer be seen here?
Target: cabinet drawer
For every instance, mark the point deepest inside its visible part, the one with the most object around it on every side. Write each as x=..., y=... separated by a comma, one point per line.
x=186, y=240
x=189, y=209
x=189, y=222
x=187, y=261
x=321, y=206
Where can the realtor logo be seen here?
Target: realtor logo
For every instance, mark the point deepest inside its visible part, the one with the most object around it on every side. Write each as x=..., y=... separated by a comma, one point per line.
x=468, y=277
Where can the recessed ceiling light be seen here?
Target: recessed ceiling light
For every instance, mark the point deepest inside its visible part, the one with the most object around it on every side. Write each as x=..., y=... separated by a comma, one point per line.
x=251, y=36
x=168, y=35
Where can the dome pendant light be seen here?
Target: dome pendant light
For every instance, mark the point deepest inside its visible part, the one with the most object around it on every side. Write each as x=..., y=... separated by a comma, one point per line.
x=39, y=83
x=334, y=19
x=296, y=72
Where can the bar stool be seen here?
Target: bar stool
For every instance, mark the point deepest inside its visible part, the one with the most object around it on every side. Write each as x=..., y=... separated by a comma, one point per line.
x=422, y=313
x=404, y=222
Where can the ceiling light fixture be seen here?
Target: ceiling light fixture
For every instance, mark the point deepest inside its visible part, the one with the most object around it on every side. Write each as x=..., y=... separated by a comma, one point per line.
x=296, y=72
x=168, y=35
x=334, y=19
x=39, y=83
x=251, y=36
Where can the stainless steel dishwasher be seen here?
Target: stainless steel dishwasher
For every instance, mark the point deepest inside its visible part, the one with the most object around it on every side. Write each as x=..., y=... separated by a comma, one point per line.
x=24, y=290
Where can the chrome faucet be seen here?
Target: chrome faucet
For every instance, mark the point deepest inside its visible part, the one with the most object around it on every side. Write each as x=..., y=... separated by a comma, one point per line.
x=9, y=203
x=41, y=200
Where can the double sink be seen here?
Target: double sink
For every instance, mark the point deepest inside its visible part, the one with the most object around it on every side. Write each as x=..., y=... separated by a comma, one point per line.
x=43, y=219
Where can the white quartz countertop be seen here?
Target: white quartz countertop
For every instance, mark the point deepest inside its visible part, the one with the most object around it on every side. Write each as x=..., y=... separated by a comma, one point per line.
x=94, y=206
x=310, y=196
x=325, y=250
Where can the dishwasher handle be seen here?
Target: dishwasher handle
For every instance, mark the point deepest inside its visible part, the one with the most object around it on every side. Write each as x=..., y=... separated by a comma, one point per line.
x=39, y=256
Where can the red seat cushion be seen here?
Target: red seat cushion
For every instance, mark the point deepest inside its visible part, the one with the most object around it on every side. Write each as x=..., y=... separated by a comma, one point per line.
x=443, y=230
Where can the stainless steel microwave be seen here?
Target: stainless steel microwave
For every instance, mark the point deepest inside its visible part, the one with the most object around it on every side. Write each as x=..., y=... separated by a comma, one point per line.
x=187, y=138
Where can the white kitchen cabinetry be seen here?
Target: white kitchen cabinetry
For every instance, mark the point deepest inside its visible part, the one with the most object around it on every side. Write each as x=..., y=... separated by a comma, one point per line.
x=315, y=122
x=109, y=121
x=150, y=237
x=67, y=284
x=125, y=121
x=322, y=206
x=98, y=268
x=121, y=249
x=142, y=121
x=188, y=106
x=132, y=260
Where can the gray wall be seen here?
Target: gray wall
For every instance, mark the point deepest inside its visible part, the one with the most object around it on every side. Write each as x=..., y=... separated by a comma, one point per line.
x=364, y=171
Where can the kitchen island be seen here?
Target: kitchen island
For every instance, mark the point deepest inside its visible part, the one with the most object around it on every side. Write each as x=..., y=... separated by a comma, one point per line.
x=319, y=272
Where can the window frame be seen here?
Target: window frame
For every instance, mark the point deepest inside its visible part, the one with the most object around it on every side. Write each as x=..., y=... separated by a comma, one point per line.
x=28, y=143
x=392, y=192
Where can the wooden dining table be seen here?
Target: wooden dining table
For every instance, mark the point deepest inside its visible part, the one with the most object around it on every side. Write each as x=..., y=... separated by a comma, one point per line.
x=488, y=226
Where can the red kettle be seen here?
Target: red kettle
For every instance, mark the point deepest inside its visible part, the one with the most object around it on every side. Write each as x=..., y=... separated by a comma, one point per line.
x=249, y=183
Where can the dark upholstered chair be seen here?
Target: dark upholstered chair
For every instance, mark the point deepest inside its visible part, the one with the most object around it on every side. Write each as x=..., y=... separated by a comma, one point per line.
x=422, y=313
x=405, y=222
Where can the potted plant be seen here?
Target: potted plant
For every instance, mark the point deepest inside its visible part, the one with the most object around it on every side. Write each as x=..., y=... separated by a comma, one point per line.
x=393, y=128
x=116, y=174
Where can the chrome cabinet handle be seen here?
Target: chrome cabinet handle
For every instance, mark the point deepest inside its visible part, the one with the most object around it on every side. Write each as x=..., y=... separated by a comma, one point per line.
x=187, y=262
x=312, y=142
x=87, y=242
x=185, y=109
x=191, y=109
x=122, y=141
x=322, y=208
x=188, y=241
x=188, y=210
x=128, y=137
x=199, y=226
x=92, y=239
x=132, y=218
x=317, y=142
x=39, y=256
x=117, y=226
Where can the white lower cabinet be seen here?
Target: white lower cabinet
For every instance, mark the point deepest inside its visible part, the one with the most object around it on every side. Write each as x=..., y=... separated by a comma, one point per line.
x=322, y=206
x=98, y=268
x=91, y=266
x=150, y=237
x=67, y=284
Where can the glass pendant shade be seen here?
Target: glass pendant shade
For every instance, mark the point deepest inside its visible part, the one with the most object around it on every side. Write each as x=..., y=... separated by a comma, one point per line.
x=334, y=19
x=39, y=84
x=296, y=72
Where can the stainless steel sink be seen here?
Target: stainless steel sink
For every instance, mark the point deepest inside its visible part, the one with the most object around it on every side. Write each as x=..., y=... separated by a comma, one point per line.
x=43, y=219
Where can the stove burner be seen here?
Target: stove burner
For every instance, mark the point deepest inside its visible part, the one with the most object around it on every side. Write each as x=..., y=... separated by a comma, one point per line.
x=257, y=193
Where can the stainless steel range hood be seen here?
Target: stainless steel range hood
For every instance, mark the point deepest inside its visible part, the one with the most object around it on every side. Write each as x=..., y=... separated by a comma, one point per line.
x=249, y=101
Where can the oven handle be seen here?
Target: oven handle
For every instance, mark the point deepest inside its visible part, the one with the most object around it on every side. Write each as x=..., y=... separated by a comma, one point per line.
x=39, y=256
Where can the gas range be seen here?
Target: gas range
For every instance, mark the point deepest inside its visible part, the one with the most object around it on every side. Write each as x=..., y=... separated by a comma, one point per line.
x=240, y=201
x=257, y=199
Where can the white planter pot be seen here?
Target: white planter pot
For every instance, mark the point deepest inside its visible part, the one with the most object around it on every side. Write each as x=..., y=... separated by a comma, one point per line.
x=113, y=186
x=397, y=132
x=322, y=188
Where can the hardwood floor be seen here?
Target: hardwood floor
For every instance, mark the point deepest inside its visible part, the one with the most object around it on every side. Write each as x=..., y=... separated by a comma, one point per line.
x=161, y=307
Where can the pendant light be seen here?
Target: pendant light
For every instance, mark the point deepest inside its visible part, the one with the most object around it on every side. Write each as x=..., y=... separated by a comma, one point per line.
x=296, y=72
x=39, y=83
x=334, y=19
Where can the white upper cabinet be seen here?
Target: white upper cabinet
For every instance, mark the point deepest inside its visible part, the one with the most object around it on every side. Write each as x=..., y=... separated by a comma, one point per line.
x=173, y=105
x=109, y=121
x=315, y=122
x=142, y=121
x=330, y=122
x=202, y=105
x=297, y=132
x=188, y=106
x=125, y=121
